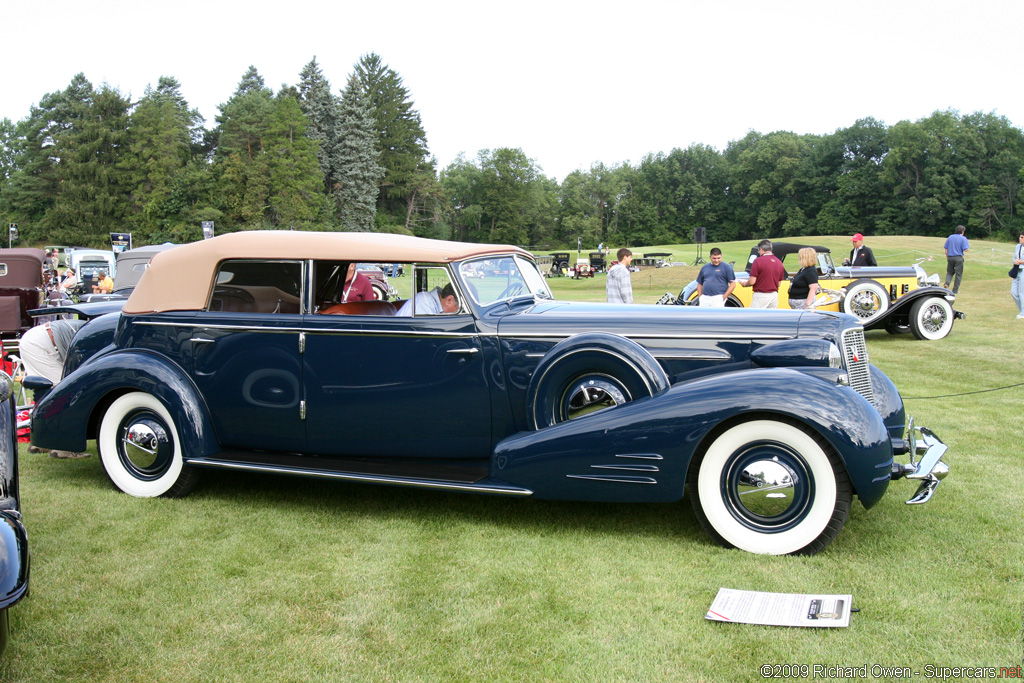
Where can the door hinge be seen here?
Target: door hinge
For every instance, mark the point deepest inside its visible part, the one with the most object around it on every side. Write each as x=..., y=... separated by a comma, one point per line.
x=302, y=342
x=302, y=410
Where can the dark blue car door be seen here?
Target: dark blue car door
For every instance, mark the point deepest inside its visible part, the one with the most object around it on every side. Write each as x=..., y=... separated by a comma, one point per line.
x=410, y=387
x=246, y=356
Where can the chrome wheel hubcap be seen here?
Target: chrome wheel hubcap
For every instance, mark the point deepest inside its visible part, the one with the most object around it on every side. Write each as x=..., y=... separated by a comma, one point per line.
x=590, y=395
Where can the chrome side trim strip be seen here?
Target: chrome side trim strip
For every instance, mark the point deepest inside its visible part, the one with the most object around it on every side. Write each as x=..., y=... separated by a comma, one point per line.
x=421, y=333
x=312, y=330
x=628, y=468
x=638, y=337
x=364, y=478
x=692, y=354
x=613, y=478
x=640, y=456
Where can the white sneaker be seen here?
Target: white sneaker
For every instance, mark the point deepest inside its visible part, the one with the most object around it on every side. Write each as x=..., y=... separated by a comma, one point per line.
x=1021, y=316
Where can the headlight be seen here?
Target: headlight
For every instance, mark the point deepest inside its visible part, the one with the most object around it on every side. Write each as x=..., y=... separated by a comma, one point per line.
x=792, y=353
x=835, y=357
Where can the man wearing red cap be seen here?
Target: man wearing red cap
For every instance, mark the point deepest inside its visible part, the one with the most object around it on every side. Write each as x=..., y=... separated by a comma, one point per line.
x=860, y=255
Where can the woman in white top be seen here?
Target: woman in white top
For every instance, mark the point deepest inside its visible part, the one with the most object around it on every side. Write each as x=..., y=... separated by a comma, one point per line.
x=69, y=282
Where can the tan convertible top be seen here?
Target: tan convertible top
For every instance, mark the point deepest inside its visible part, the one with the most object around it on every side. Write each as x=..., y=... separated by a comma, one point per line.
x=180, y=279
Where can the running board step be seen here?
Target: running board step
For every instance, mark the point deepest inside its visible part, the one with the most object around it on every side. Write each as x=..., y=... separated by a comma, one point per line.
x=474, y=487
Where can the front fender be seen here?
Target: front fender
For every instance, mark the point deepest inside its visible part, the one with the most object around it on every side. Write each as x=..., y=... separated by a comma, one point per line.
x=641, y=451
x=899, y=311
x=69, y=414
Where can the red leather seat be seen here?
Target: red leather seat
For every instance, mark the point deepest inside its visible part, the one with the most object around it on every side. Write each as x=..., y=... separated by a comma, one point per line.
x=361, y=308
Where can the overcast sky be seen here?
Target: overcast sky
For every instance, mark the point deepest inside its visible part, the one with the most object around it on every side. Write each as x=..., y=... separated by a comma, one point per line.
x=571, y=83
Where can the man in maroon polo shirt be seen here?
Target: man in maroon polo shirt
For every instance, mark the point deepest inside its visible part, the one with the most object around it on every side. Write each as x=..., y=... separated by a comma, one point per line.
x=765, y=275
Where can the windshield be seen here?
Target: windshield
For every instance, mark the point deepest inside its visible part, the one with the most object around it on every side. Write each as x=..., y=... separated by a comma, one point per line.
x=503, y=277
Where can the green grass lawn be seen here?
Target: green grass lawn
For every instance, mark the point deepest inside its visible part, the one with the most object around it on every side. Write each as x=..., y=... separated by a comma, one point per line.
x=256, y=578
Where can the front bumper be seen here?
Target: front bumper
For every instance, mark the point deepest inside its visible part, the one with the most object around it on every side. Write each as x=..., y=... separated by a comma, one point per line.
x=930, y=469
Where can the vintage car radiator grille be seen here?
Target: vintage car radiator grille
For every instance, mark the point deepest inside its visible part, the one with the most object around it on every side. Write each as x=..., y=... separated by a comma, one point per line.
x=855, y=353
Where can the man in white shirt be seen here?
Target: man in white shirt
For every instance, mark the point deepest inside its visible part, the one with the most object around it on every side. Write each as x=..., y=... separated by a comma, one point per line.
x=434, y=302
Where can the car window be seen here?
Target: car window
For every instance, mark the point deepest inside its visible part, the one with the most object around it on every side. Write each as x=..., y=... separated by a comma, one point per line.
x=502, y=278
x=256, y=286
x=430, y=283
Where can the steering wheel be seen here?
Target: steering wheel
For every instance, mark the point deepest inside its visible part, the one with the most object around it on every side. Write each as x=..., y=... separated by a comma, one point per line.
x=511, y=290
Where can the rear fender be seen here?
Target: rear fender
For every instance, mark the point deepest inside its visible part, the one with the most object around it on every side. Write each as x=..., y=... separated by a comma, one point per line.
x=641, y=451
x=69, y=414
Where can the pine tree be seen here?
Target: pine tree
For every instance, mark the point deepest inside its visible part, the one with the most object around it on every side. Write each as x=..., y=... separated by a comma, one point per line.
x=241, y=166
x=33, y=186
x=401, y=140
x=162, y=143
x=93, y=200
x=358, y=171
x=296, y=198
x=243, y=118
x=321, y=110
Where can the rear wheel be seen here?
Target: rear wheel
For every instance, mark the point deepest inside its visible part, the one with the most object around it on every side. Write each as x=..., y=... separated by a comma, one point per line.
x=140, y=449
x=768, y=486
x=931, y=318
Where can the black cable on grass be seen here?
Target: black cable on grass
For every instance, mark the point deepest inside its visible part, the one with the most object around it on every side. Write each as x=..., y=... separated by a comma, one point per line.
x=966, y=393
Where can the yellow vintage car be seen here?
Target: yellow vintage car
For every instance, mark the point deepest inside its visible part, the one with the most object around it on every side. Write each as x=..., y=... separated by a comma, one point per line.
x=895, y=298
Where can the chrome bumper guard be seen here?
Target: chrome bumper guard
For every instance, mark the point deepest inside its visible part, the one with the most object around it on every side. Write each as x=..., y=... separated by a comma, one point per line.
x=930, y=469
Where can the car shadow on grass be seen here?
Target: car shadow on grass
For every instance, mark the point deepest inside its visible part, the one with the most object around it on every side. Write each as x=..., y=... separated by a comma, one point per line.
x=348, y=499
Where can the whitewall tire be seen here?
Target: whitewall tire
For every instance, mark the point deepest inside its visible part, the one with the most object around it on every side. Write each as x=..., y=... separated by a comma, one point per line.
x=771, y=487
x=140, y=448
x=931, y=318
x=866, y=299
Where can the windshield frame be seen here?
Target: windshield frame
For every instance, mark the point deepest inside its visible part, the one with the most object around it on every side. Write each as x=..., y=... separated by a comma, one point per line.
x=472, y=274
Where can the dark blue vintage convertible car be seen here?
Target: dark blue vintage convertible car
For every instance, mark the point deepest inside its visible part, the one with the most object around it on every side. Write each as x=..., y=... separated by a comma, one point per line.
x=243, y=353
x=14, y=557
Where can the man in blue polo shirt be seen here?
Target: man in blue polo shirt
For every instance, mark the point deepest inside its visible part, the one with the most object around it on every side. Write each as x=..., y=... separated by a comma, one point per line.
x=715, y=281
x=955, y=246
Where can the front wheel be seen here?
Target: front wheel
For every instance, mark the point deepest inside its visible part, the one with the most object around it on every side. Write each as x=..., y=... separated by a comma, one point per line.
x=931, y=318
x=770, y=487
x=866, y=299
x=140, y=449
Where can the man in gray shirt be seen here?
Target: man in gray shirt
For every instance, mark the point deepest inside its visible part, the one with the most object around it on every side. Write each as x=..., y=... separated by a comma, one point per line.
x=619, y=287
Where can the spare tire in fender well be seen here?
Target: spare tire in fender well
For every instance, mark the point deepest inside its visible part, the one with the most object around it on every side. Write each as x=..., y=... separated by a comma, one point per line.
x=623, y=362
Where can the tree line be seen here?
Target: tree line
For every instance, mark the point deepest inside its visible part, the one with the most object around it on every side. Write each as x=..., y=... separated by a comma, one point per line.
x=87, y=161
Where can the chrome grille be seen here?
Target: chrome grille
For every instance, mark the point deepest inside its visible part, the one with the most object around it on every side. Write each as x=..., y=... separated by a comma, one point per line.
x=855, y=355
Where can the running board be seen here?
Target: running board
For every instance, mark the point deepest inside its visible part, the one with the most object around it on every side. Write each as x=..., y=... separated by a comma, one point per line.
x=476, y=487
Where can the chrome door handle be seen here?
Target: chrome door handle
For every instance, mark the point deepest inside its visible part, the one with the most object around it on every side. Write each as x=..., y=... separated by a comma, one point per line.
x=201, y=340
x=469, y=351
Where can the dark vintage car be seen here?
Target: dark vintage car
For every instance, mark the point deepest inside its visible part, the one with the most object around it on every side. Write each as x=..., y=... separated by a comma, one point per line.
x=14, y=557
x=88, y=264
x=227, y=356
x=22, y=288
x=560, y=263
x=894, y=298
